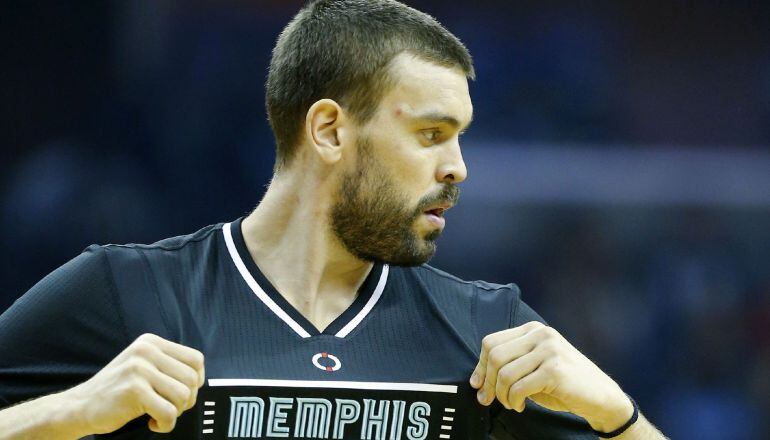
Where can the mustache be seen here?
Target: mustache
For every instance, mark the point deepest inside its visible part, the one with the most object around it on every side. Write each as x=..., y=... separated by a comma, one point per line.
x=449, y=193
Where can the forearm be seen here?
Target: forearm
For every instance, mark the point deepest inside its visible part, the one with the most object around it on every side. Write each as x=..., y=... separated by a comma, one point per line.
x=51, y=417
x=618, y=412
x=642, y=429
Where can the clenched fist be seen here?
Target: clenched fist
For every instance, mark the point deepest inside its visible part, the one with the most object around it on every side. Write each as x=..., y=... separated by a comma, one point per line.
x=151, y=376
x=534, y=361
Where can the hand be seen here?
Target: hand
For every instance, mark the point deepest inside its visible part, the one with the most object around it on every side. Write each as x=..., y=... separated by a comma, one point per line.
x=151, y=376
x=535, y=361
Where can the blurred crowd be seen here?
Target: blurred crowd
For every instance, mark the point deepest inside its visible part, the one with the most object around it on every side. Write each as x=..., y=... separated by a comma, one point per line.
x=673, y=303
x=133, y=121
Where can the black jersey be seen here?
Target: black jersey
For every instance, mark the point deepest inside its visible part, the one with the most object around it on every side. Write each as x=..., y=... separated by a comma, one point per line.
x=394, y=365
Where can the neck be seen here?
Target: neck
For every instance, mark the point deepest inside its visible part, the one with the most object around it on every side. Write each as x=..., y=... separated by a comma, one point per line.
x=291, y=241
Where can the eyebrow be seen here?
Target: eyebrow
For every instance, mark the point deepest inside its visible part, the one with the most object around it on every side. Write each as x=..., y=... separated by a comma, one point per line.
x=439, y=118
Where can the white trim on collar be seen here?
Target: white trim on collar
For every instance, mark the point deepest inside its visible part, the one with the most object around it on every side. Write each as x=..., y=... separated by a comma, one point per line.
x=368, y=307
x=275, y=308
x=255, y=287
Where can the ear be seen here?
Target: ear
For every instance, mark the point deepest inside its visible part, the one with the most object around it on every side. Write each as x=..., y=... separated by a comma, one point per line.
x=325, y=128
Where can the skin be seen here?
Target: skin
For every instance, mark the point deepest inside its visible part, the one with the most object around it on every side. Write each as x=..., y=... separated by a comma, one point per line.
x=534, y=361
x=293, y=222
x=414, y=147
x=151, y=376
x=298, y=237
x=374, y=220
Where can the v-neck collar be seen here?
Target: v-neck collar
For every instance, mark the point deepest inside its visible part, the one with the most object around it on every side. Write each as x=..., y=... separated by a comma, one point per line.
x=368, y=294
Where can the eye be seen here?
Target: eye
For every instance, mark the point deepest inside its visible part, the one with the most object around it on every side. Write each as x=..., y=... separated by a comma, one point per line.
x=431, y=135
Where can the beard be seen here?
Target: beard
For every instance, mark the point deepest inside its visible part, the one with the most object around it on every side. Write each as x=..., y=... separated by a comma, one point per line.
x=373, y=219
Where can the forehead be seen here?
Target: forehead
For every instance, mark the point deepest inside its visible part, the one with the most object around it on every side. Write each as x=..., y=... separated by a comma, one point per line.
x=424, y=87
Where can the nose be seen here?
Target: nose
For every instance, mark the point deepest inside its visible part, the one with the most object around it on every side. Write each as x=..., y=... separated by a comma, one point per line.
x=451, y=169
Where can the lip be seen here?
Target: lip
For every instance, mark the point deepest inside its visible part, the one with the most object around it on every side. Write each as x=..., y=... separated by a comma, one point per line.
x=442, y=208
x=435, y=220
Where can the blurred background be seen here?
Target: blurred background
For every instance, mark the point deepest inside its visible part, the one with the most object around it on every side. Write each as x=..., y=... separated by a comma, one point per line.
x=619, y=167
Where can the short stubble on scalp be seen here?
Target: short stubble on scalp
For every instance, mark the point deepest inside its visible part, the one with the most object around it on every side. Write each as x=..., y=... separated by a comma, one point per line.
x=340, y=50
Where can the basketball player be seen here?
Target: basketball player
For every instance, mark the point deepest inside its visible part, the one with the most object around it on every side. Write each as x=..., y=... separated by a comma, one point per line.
x=315, y=316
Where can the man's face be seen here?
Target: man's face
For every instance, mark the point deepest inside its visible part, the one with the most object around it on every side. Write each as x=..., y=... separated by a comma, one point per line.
x=406, y=166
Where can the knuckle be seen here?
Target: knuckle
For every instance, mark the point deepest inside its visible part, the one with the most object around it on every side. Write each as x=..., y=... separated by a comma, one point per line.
x=513, y=397
x=175, y=397
x=514, y=391
x=505, y=377
x=486, y=343
x=168, y=419
x=136, y=367
x=532, y=325
x=549, y=348
x=191, y=379
x=553, y=368
x=198, y=360
x=501, y=392
x=134, y=388
x=496, y=358
x=550, y=333
x=142, y=348
x=146, y=337
x=186, y=393
x=193, y=399
x=182, y=395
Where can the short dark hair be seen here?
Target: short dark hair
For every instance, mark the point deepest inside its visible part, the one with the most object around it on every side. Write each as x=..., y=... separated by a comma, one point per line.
x=340, y=49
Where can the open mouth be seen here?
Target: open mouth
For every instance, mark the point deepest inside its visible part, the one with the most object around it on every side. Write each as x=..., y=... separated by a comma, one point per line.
x=438, y=212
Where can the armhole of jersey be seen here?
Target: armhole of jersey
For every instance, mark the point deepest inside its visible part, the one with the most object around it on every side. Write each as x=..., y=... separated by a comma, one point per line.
x=141, y=299
x=495, y=310
x=516, y=298
x=114, y=292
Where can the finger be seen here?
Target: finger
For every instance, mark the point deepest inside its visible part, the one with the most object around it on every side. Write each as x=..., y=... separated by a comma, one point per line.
x=180, y=371
x=499, y=357
x=170, y=389
x=533, y=383
x=162, y=412
x=510, y=373
x=187, y=355
x=492, y=340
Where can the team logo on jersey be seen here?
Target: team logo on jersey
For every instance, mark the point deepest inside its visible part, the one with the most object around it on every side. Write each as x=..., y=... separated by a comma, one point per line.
x=335, y=362
x=339, y=410
x=325, y=419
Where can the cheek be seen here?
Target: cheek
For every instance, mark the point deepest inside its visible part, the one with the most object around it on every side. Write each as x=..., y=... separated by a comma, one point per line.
x=416, y=174
x=410, y=159
x=412, y=194
x=411, y=166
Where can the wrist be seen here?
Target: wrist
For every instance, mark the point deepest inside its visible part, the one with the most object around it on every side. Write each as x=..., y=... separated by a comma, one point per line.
x=618, y=414
x=52, y=417
x=68, y=414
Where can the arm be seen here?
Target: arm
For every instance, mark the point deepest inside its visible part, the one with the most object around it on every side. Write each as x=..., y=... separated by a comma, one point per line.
x=152, y=376
x=540, y=386
x=63, y=340
x=533, y=361
x=642, y=429
x=49, y=417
